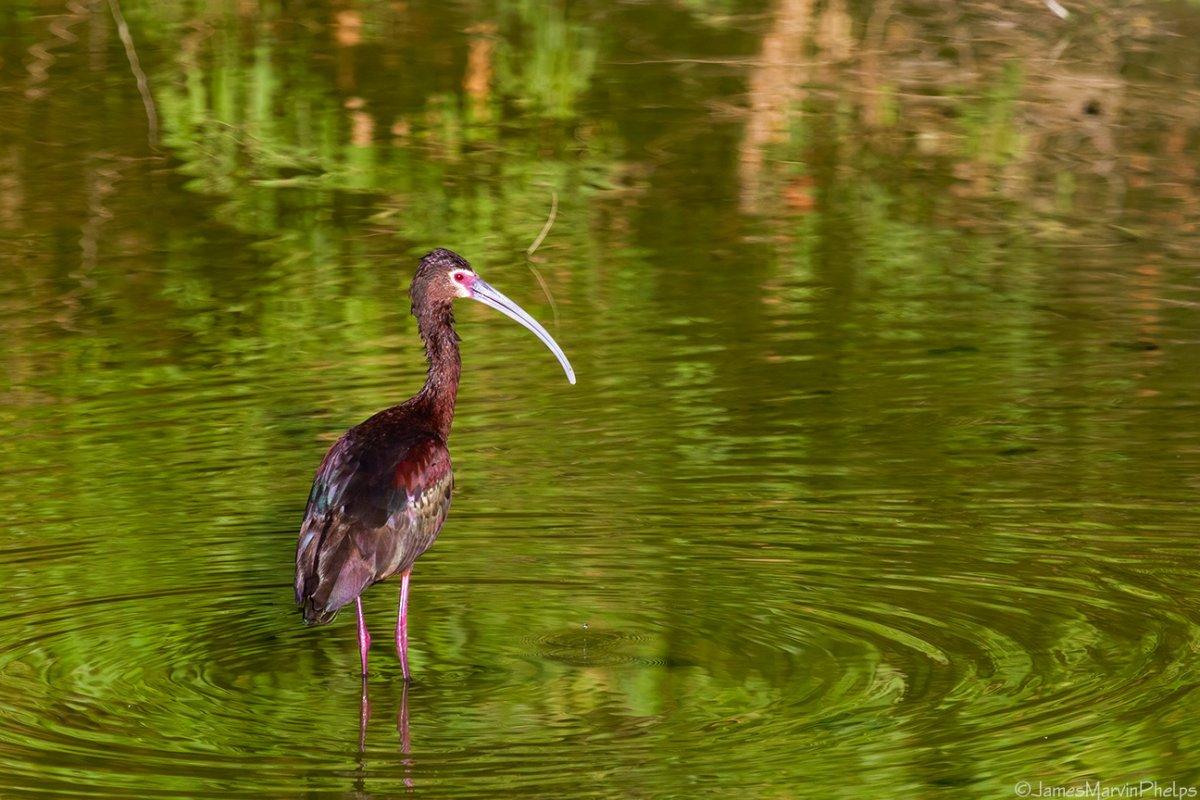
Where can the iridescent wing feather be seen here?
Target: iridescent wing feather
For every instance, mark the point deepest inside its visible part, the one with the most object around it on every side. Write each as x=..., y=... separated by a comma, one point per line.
x=377, y=503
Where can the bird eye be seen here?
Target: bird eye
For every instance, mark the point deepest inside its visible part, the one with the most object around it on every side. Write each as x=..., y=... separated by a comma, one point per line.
x=459, y=277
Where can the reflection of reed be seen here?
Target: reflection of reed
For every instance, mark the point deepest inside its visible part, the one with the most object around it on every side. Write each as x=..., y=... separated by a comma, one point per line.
x=347, y=34
x=43, y=52
x=12, y=194
x=101, y=182
x=362, y=124
x=1010, y=106
x=775, y=88
x=872, y=79
x=480, y=57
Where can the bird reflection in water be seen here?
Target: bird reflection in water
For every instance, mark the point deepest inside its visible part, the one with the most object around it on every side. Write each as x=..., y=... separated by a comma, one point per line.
x=402, y=728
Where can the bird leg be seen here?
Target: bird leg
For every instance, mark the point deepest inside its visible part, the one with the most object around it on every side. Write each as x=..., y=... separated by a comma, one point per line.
x=402, y=627
x=364, y=636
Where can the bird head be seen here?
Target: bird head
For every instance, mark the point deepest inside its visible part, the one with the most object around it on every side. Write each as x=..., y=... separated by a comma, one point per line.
x=443, y=276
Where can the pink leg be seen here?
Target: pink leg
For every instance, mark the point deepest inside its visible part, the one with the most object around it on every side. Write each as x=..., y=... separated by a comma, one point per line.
x=402, y=627
x=364, y=636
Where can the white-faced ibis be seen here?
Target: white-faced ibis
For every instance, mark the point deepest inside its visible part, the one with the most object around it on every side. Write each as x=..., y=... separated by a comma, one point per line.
x=383, y=490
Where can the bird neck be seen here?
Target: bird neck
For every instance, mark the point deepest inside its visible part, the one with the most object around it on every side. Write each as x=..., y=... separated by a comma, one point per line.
x=441, y=383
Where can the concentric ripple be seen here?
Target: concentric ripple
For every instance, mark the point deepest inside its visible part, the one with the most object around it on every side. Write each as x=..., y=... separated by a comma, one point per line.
x=777, y=635
x=847, y=640
x=879, y=479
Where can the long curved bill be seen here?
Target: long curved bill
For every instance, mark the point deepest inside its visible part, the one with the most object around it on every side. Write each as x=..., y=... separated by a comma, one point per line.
x=487, y=294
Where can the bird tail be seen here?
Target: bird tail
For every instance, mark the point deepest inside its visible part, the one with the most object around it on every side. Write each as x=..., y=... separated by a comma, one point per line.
x=315, y=615
x=330, y=573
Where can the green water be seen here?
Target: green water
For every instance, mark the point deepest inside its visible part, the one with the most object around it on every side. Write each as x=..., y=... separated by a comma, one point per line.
x=880, y=478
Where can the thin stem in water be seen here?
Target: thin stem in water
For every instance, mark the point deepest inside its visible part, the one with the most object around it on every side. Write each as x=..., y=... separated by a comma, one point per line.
x=135, y=66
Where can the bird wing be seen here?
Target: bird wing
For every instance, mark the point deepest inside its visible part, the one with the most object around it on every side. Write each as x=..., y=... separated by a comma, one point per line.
x=376, y=505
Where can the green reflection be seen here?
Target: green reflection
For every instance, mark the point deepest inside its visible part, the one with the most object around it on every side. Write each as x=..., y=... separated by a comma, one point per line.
x=880, y=476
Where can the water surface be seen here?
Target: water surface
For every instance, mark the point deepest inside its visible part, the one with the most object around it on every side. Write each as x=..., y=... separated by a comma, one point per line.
x=881, y=472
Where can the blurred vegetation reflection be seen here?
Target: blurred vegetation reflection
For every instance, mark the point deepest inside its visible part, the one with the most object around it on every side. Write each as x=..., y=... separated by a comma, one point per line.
x=881, y=472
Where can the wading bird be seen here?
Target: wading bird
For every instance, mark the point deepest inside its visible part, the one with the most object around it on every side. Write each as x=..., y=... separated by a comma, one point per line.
x=382, y=491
